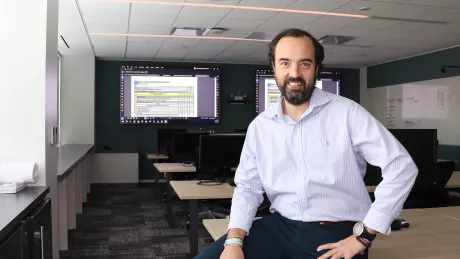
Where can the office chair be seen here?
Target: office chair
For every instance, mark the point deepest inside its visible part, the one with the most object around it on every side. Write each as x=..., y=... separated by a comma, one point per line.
x=444, y=170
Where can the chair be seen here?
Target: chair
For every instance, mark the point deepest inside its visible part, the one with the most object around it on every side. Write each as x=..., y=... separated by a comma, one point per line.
x=444, y=170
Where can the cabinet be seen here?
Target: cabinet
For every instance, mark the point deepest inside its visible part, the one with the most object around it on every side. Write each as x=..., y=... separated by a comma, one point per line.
x=32, y=238
x=39, y=232
x=16, y=245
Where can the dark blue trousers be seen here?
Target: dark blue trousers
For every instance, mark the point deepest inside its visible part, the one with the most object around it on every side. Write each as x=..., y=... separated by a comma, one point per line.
x=275, y=237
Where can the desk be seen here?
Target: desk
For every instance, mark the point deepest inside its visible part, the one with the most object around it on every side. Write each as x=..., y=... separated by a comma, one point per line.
x=190, y=190
x=169, y=169
x=454, y=182
x=156, y=158
x=433, y=234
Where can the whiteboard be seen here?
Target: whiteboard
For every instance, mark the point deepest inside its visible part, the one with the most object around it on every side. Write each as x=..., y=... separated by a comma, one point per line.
x=431, y=104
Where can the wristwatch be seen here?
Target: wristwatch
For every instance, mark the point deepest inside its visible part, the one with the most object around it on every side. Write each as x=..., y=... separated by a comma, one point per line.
x=362, y=235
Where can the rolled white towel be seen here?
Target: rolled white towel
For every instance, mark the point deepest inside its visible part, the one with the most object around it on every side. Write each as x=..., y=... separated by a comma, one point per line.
x=15, y=172
x=11, y=187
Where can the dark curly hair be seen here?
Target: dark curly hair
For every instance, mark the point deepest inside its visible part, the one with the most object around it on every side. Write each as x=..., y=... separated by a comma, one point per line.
x=319, y=50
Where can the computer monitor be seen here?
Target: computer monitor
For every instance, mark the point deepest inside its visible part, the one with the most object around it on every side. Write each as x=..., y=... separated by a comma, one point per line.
x=421, y=144
x=165, y=138
x=267, y=92
x=185, y=146
x=161, y=95
x=218, y=154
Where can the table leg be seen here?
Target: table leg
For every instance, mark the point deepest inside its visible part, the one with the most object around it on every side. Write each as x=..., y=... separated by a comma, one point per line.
x=157, y=175
x=193, y=232
x=169, y=212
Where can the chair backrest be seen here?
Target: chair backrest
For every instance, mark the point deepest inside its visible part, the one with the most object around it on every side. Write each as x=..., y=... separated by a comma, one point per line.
x=444, y=170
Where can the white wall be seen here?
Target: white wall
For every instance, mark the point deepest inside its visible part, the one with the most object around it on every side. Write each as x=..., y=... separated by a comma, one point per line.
x=77, y=99
x=115, y=168
x=28, y=88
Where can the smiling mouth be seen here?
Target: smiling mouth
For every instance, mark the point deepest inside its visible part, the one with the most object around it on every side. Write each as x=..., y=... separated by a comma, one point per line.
x=294, y=85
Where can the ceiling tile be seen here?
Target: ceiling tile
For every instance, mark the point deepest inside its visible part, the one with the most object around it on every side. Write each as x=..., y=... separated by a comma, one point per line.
x=113, y=27
x=443, y=15
x=335, y=20
x=389, y=1
x=375, y=23
x=170, y=54
x=142, y=50
x=201, y=55
x=245, y=47
x=250, y=14
x=267, y=3
x=153, y=9
x=440, y=3
x=152, y=20
x=193, y=12
x=452, y=28
x=318, y=5
x=294, y=18
x=240, y=24
x=221, y=2
x=137, y=29
x=196, y=22
x=456, y=5
x=375, y=7
x=233, y=34
x=212, y=44
x=404, y=11
x=354, y=31
x=100, y=11
x=170, y=43
x=145, y=40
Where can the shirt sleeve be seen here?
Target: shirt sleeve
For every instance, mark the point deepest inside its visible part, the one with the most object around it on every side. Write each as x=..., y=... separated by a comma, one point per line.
x=248, y=194
x=380, y=148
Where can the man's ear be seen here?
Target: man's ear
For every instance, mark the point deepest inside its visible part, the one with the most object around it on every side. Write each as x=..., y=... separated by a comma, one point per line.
x=273, y=65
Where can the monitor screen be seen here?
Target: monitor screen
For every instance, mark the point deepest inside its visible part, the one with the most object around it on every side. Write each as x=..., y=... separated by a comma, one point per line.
x=267, y=92
x=221, y=150
x=159, y=95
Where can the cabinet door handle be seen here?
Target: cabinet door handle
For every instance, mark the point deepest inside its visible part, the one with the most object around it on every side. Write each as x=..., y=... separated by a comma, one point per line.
x=42, y=241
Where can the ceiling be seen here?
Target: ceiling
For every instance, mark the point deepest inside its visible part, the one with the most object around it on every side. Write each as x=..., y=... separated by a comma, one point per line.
x=378, y=40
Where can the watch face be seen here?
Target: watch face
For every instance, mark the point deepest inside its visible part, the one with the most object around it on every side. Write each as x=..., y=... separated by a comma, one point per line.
x=358, y=229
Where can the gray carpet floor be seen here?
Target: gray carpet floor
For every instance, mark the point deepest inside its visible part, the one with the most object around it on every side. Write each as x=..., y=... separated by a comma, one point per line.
x=126, y=221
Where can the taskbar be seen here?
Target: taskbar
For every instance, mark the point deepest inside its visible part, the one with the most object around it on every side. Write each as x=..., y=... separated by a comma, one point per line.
x=169, y=120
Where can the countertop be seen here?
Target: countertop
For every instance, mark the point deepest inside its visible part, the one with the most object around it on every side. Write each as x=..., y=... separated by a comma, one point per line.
x=69, y=156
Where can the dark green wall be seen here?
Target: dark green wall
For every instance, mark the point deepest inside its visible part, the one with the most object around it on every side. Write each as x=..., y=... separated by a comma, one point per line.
x=419, y=68
x=142, y=138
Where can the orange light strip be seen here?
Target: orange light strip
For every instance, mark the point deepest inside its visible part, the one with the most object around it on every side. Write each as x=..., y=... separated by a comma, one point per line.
x=235, y=7
x=173, y=36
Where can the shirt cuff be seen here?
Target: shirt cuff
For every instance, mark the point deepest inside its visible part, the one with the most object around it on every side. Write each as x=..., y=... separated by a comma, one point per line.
x=378, y=221
x=240, y=222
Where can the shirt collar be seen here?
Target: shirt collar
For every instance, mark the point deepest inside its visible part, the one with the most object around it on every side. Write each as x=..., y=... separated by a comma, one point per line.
x=318, y=98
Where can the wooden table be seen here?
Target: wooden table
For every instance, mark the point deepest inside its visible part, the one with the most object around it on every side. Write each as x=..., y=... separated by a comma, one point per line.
x=433, y=234
x=190, y=190
x=169, y=169
x=156, y=158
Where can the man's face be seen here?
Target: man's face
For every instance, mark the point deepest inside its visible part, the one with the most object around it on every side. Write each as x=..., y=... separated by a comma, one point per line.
x=295, y=70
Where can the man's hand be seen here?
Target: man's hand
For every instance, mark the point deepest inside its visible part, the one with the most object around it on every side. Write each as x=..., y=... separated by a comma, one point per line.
x=346, y=248
x=232, y=252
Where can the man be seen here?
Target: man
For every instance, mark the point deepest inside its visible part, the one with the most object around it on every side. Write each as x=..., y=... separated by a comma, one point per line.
x=308, y=153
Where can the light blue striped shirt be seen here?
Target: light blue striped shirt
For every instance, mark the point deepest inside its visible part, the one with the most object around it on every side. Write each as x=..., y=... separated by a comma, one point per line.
x=313, y=169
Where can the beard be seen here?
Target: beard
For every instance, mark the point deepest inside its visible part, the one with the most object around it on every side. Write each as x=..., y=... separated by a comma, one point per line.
x=297, y=96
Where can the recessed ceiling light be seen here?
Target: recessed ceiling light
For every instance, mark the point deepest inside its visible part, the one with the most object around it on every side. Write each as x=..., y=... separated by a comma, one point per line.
x=365, y=8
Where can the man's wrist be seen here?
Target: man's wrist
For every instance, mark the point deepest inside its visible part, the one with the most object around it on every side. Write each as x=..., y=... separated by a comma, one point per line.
x=371, y=231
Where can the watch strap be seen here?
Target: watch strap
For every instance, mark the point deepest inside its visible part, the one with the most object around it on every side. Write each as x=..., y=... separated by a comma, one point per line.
x=233, y=241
